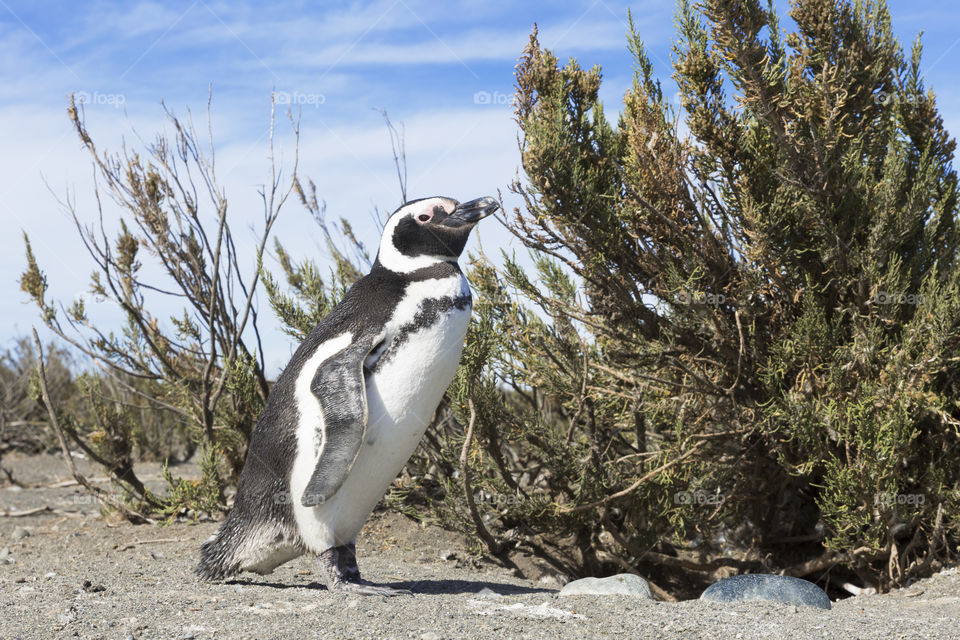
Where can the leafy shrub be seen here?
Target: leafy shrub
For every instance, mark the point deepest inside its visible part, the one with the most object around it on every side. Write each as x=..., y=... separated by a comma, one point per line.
x=738, y=347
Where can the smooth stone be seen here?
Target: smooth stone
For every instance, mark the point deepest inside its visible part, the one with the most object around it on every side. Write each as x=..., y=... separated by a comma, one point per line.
x=760, y=586
x=622, y=584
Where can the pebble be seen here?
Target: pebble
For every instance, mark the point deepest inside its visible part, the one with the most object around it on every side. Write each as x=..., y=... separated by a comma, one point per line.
x=761, y=586
x=622, y=584
x=430, y=635
x=89, y=587
x=19, y=533
x=4, y=553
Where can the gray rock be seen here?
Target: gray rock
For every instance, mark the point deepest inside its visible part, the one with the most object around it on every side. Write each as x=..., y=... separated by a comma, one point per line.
x=767, y=587
x=19, y=533
x=622, y=584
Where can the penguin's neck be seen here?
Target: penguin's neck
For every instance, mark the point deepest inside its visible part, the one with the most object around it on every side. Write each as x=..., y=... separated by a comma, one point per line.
x=436, y=271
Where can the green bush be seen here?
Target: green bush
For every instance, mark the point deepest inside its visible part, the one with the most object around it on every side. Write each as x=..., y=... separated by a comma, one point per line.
x=738, y=350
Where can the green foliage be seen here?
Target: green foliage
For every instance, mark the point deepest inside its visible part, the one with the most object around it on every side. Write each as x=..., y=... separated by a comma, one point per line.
x=193, y=497
x=737, y=347
x=34, y=283
x=775, y=292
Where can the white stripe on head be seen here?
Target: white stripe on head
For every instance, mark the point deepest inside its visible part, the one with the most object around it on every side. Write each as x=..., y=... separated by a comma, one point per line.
x=390, y=257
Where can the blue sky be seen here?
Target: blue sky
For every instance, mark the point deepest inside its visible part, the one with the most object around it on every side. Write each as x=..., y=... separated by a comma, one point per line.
x=443, y=70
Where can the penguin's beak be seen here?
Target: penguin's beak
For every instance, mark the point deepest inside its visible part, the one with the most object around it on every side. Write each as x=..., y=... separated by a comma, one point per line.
x=469, y=213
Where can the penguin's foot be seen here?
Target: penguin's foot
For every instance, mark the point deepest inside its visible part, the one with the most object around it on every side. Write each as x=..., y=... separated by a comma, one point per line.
x=338, y=566
x=367, y=588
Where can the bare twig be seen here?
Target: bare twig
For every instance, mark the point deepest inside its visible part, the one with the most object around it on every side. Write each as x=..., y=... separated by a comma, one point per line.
x=131, y=545
x=28, y=512
x=399, y=149
x=492, y=543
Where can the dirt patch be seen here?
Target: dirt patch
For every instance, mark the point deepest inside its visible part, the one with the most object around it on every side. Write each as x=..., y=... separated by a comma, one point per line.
x=69, y=572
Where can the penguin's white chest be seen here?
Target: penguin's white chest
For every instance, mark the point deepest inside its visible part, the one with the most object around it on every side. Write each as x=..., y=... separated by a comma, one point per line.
x=408, y=377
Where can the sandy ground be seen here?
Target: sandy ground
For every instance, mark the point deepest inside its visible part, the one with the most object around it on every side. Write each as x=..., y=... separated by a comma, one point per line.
x=70, y=573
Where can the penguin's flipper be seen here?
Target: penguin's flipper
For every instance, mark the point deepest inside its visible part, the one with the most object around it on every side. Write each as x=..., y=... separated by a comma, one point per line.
x=340, y=387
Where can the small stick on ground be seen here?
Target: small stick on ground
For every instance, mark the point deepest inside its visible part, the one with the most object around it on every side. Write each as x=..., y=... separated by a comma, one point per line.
x=28, y=512
x=131, y=545
x=10, y=478
x=69, y=483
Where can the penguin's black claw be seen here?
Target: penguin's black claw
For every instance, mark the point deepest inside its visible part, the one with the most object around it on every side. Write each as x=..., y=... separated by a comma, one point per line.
x=365, y=588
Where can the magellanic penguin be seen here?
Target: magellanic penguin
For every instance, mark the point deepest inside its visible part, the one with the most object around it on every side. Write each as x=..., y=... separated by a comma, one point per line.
x=353, y=403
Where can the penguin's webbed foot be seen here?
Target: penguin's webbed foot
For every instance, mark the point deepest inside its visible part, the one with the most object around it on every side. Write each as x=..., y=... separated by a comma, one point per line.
x=338, y=565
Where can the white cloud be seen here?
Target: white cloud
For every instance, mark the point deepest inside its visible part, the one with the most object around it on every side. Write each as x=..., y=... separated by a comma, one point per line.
x=464, y=153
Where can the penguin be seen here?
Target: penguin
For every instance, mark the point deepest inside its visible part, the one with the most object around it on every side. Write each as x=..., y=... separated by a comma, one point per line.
x=353, y=403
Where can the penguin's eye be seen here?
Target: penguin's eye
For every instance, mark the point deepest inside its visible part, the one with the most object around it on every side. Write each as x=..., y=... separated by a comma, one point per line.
x=425, y=217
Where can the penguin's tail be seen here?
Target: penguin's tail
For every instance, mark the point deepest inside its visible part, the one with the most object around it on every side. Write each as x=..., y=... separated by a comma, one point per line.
x=218, y=555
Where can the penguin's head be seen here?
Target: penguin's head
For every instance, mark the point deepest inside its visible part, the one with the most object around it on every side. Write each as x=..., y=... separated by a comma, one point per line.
x=430, y=230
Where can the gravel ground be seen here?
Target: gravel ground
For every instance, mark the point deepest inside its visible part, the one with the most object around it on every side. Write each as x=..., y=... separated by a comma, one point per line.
x=70, y=573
